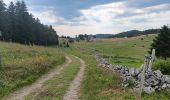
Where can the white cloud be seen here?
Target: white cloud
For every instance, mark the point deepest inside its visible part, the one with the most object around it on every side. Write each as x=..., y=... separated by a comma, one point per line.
x=110, y=18
x=8, y=1
x=48, y=16
x=107, y=18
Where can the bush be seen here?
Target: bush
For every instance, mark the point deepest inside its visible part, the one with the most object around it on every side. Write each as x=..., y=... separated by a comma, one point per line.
x=163, y=66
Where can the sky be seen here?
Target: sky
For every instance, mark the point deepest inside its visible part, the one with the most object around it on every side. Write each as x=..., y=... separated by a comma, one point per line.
x=72, y=17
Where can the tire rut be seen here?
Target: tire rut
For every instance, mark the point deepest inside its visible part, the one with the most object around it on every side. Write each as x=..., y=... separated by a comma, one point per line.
x=72, y=93
x=21, y=93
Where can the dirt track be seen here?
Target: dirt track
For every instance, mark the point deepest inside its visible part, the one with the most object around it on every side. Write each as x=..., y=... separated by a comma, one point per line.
x=72, y=93
x=20, y=94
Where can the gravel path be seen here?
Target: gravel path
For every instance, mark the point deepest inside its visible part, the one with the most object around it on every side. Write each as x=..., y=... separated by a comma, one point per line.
x=20, y=94
x=72, y=93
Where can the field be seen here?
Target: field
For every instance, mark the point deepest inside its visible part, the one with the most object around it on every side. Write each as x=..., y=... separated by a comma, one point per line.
x=102, y=84
x=129, y=52
x=22, y=65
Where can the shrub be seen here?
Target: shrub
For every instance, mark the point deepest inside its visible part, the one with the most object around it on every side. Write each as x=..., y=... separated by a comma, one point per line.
x=163, y=66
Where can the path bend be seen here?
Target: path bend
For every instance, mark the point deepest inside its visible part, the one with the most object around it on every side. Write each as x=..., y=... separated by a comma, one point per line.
x=21, y=93
x=72, y=93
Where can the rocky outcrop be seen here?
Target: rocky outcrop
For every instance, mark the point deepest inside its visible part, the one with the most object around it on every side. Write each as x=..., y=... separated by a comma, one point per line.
x=154, y=80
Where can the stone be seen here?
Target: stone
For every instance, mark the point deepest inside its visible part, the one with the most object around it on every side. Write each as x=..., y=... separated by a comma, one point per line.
x=147, y=76
x=128, y=78
x=156, y=87
x=137, y=84
x=168, y=86
x=167, y=79
x=148, y=81
x=139, y=77
x=154, y=82
x=126, y=69
x=137, y=71
x=132, y=71
x=158, y=74
x=126, y=85
x=148, y=90
x=164, y=86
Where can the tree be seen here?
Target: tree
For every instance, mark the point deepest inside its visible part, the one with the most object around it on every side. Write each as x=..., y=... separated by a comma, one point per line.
x=162, y=43
x=18, y=25
x=11, y=22
x=2, y=16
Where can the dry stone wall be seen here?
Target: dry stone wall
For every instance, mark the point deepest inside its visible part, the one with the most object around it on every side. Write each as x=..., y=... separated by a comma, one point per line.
x=154, y=80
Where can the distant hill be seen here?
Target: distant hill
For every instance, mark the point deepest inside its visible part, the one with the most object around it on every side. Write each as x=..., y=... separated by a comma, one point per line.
x=133, y=33
x=103, y=35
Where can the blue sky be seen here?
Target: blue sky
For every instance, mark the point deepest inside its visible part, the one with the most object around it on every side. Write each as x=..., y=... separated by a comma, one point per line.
x=71, y=17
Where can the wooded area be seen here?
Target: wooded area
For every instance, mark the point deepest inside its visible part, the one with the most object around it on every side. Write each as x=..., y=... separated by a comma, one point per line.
x=18, y=25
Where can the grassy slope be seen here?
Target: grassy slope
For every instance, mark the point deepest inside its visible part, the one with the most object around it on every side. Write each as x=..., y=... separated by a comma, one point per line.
x=101, y=84
x=55, y=88
x=129, y=53
x=22, y=65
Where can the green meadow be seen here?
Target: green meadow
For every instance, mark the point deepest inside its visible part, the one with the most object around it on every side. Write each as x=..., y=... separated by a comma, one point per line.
x=129, y=53
x=102, y=84
x=23, y=65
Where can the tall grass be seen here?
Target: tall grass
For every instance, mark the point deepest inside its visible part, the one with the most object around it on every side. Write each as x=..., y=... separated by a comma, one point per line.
x=22, y=65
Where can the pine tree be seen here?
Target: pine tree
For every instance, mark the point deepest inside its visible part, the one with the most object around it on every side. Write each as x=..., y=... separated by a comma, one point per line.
x=18, y=25
x=162, y=43
x=11, y=26
x=22, y=22
x=2, y=16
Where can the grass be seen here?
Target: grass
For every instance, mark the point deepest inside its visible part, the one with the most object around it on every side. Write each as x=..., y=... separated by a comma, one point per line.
x=163, y=95
x=99, y=83
x=55, y=88
x=125, y=61
x=102, y=84
x=129, y=53
x=22, y=65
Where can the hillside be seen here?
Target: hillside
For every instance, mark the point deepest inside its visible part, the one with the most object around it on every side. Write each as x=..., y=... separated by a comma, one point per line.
x=22, y=65
x=131, y=33
x=103, y=35
x=122, y=50
x=31, y=62
x=134, y=33
x=101, y=83
x=72, y=50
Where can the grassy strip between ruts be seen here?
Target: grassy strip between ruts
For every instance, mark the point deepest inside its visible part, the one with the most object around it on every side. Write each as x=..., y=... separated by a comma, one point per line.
x=22, y=65
x=55, y=88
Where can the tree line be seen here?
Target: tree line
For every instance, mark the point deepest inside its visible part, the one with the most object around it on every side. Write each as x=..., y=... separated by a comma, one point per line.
x=133, y=33
x=18, y=25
